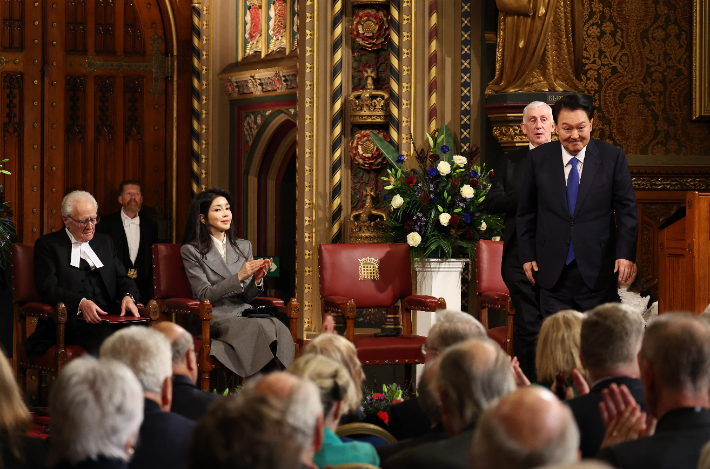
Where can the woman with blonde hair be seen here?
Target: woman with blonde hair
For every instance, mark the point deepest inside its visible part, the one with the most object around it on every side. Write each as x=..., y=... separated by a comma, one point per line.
x=338, y=397
x=16, y=449
x=341, y=350
x=558, y=348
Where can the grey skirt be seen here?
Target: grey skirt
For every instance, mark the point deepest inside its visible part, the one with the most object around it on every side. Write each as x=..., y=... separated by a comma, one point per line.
x=244, y=345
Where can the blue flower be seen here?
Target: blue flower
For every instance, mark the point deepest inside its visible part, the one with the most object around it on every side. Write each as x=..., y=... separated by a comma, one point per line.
x=400, y=159
x=433, y=199
x=432, y=172
x=474, y=174
x=387, y=195
x=415, y=172
x=467, y=218
x=444, y=148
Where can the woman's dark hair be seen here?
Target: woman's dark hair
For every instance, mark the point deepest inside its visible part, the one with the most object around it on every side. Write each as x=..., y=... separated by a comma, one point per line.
x=197, y=234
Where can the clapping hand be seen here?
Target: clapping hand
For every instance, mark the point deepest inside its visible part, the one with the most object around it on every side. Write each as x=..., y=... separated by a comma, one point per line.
x=622, y=416
x=250, y=268
x=264, y=269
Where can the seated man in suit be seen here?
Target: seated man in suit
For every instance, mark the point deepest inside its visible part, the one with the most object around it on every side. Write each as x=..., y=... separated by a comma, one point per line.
x=303, y=409
x=188, y=400
x=79, y=267
x=164, y=436
x=610, y=343
x=472, y=376
x=675, y=374
x=133, y=236
x=526, y=429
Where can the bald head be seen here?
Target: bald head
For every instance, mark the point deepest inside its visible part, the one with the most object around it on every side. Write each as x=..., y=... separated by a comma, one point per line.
x=528, y=428
x=471, y=376
x=304, y=412
x=182, y=347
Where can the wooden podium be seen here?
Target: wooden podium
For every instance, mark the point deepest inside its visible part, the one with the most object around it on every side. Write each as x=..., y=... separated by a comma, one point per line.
x=684, y=257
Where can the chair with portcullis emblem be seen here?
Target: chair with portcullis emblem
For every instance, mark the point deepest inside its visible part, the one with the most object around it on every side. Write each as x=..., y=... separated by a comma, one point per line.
x=354, y=276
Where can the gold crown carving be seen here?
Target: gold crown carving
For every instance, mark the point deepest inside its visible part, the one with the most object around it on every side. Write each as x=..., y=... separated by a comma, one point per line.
x=367, y=225
x=369, y=106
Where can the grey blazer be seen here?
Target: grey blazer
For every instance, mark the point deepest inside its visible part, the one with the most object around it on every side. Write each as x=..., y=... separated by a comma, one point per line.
x=218, y=281
x=244, y=345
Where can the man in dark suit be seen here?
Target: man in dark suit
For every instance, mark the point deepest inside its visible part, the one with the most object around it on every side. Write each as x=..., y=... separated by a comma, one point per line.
x=526, y=429
x=472, y=375
x=133, y=235
x=164, y=436
x=79, y=267
x=188, y=400
x=610, y=342
x=675, y=372
x=576, y=218
x=503, y=197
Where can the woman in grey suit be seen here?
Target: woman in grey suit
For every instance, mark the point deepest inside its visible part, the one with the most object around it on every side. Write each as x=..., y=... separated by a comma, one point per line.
x=220, y=268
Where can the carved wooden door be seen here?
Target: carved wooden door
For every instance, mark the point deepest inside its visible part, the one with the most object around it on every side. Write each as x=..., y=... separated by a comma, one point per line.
x=84, y=105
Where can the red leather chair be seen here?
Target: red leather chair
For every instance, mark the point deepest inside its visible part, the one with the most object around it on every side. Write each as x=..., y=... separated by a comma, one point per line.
x=28, y=304
x=493, y=292
x=174, y=295
x=367, y=276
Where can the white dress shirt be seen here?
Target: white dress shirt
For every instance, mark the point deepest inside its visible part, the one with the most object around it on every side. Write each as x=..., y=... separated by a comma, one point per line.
x=133, y=234
x=221, y=246
x=566, y=157
x=80, y=251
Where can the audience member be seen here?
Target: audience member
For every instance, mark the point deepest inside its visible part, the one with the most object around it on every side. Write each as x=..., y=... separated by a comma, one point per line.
x=188, y=400
x=632, y=294
x=343, y=351
x=246, y=431
x=304, y=412
x=472, y=375
x=220, y=268
x=16, y=448
x=704, y=462
x=428, y=405
x=558, y=348
x=133, y=235
x=581, y=465
x=79, y=268
x=526, y=429
x=338, y=397
x=675, y=373
x=97, y=409
x=610, y=343
x=164, y=436
x=407, y=420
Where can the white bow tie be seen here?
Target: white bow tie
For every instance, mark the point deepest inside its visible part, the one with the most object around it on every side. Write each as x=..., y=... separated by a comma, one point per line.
x=132, y=221
x=77, y=248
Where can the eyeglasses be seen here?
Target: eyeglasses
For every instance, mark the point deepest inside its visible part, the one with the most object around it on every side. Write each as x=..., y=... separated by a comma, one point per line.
x=83, y=223
x=426, y=349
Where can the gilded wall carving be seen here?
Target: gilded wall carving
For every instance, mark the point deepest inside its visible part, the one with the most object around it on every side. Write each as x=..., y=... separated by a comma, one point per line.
x=637, y=65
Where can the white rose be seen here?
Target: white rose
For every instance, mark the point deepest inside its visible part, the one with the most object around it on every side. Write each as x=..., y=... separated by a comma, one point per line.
x=483, y=226
x=397, y=201
x=444, y=219
x=495, y=238
x=460, y=160
x=413, y=239
x=467, y=191
x=444, y=168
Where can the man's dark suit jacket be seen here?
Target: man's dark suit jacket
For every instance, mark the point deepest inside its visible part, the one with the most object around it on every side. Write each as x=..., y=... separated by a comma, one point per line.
x=408, y=420
x=505, y=193
x=451, y=453
x=57, y=281
x=188, y=400
x=679, y=438
x=545, y=227
x=163, y=439
x=589, y=420
x=391, y=449
x=112, y=225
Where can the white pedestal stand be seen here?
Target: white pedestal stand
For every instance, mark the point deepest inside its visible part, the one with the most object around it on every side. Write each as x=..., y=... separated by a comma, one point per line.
x=440, y=278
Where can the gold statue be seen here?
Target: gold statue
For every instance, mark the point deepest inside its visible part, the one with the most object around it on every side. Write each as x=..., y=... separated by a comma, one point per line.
x=540, y=45
x=367, y=224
